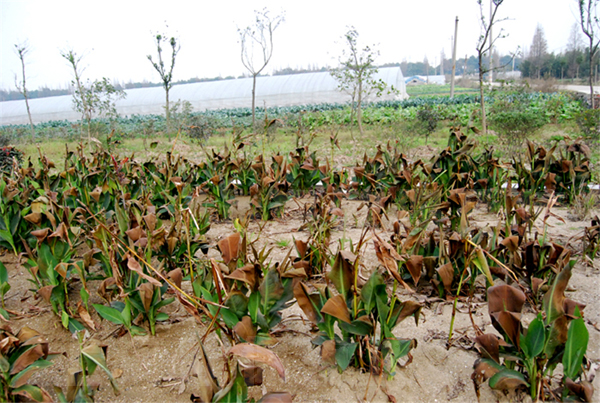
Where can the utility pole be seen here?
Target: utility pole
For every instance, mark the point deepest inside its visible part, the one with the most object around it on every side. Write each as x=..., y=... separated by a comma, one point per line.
x=491, y=43
x=454, y=59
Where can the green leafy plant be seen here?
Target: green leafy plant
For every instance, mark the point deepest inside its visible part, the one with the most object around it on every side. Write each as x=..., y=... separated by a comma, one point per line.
x=238, y=378
x=22, y=355
x=358, y=312
x=122, y=314
x=91, y=357
x=558, y=335
x=4, y=288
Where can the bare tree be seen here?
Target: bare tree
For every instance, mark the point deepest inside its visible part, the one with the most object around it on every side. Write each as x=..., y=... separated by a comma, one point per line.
x=257, y=47
x=484, y=45
x=538, y=51
x=22, y=50
x=91, y=98
x=165, y=75
x=355, y=74
x=574, y=46
x=588, y=19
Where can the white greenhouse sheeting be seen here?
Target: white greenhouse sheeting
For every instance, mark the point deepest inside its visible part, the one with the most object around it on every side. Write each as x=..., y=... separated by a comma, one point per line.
x=284, y=90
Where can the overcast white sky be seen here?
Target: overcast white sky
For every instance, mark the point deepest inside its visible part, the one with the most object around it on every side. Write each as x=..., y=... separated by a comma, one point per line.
x=116, y=36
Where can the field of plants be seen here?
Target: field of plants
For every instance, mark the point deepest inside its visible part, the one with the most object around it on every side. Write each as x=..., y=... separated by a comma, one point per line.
x=302, y=261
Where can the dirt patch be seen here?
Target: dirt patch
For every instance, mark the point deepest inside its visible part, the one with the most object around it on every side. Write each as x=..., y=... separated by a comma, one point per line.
x=156, y=368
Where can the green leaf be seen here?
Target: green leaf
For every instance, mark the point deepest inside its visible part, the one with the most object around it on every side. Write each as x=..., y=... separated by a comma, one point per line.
x=235, y=391
x=3, y=274
x=153, y=145
x=533, y=344
x=110, y=314
x=507, y=379
x=342, y=272
x=16, y=382
x=161, y=317
x=575, y=348
x=253, y=303
x=367, y=293
x=358, y=327
x=95, y=353
x=30, y=392
x=65, y=319
x=344, y=353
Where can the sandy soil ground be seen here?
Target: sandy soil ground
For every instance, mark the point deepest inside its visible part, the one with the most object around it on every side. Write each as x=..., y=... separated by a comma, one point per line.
x=159, y=368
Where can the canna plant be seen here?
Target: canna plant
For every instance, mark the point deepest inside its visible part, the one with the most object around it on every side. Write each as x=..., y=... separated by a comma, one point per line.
x=4, y=288
x=238, y=377
x=21, y=355
x=358, y=312
x=79, y=386
x=527, y=357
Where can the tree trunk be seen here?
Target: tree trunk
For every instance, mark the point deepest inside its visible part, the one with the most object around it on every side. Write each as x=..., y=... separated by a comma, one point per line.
x=253, y=100
x=30, y=120
x=27, y=103
x=359, y=107
x=482, y=102
x=168, y=114
x=592, y=101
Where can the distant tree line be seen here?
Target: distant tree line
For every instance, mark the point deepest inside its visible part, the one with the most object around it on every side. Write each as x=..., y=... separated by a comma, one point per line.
x=572, y=63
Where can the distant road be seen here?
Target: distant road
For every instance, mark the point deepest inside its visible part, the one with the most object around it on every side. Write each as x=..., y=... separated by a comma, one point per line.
x=585, y=89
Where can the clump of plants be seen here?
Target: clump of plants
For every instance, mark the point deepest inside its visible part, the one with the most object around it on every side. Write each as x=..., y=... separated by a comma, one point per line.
x=526, y=357
x=21, y=355
x=10, y=157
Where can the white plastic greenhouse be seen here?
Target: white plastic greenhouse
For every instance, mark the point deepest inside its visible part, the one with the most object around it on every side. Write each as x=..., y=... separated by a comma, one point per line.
x=284, y=90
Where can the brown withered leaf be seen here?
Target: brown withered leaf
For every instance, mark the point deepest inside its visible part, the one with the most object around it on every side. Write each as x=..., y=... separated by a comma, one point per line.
x=260, y=354
x=34, y=218
x=328, y=352
x=247, y=274
x=132, y=264
x=104, y=286
x=245, y=330
x=302, y=247
x=150, y=220
x=536, y=283
x=489, y=346
x=410, y=308
x=146, y=291
x=45, y=292
x=569, y=307
x=446, y=273
x=41, y=234
x=61, y=232
x=389, y=258
x=96, y=193
x=253, y=376
x=503, y=297
x=230, y=247
x=414, y=264
x=336, y=307
x=553, y=302
x=208, y=382
x=28, y=358
x=276, y=397
x=511, y=243
x=583, y=389
x=84, y=315
x=482, y=371
x=303, y=298
x=176, y=276
x=135, y=233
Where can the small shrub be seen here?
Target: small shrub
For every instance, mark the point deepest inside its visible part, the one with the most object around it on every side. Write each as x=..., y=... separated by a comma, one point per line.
x=428, y=118
x=588, y=121
x=8, y=155
x=4, y=140
x=514, y=122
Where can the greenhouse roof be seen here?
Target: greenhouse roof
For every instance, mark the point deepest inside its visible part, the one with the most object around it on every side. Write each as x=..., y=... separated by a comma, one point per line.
x=282, y=90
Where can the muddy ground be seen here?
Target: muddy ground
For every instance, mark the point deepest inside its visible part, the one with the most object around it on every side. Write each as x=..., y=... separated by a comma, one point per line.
x=159, y=368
